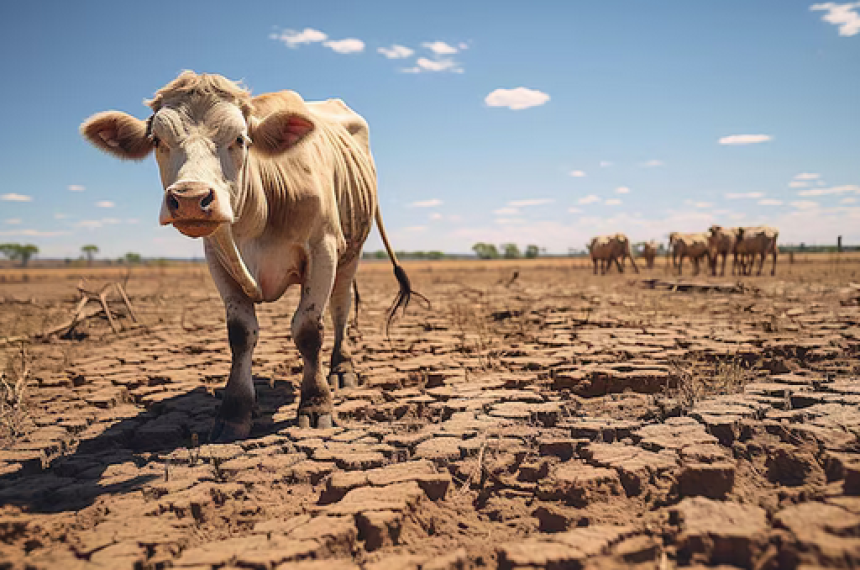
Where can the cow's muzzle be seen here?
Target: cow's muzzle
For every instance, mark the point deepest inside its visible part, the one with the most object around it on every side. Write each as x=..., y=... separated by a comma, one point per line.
x=192, y=208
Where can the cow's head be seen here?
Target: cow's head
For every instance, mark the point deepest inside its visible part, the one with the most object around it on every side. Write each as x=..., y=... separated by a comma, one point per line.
x=201, y=131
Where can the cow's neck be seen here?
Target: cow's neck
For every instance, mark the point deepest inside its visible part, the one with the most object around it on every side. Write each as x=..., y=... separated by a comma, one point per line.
x=252, y=211
x=251, y=218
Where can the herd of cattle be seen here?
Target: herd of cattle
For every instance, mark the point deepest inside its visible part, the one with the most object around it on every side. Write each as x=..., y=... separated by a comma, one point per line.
x=743, y=244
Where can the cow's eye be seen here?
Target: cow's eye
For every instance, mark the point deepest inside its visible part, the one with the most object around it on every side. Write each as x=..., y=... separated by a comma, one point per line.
x=240, y=141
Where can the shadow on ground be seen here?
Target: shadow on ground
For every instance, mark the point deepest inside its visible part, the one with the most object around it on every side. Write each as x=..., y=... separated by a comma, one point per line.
x=133, y=451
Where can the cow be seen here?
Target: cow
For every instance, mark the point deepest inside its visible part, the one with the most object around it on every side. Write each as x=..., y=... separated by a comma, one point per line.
x=283, y=192
x=609, y=248
x=694, y=246
x=721, y=242
x=759, y=241
x=649, y=252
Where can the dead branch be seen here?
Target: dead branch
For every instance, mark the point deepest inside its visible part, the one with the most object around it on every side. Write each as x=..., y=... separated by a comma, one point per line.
x=82, y=312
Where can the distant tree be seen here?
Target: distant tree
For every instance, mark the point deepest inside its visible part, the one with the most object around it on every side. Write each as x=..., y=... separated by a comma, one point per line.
x=485, y=250
x=532, y=251
x=19, y=252
x=511, y=251
x=132, y=258
x=90, y=251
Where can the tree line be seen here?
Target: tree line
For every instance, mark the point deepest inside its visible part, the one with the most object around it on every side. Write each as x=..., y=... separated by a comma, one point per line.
x=22, y=253
x=505, y=251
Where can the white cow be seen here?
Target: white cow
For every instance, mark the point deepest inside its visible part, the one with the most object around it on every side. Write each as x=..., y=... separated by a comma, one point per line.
x=283, y=192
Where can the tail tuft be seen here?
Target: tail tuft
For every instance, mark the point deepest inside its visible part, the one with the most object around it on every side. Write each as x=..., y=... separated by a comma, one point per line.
x=403, y=296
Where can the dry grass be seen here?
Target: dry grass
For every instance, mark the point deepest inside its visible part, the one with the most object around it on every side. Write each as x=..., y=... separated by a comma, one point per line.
x=14, y=381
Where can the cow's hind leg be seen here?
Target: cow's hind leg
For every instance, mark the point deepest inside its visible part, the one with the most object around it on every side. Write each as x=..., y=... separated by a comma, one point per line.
x=235, y=414
x=342, y=374
x=315, y=407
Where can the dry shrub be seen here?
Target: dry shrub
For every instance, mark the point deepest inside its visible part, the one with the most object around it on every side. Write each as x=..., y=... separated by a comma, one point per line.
x=473, y=332
x=697, y=380
x=732, y=375
x=14, y=381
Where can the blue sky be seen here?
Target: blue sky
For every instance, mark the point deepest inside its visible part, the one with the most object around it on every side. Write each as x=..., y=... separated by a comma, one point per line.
x=538, y=122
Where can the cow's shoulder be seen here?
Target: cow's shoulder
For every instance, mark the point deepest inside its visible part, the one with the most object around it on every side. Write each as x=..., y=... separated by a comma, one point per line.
x=337, y=112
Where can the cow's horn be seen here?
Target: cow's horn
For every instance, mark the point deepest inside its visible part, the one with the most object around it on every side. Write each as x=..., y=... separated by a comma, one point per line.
x=224, y=247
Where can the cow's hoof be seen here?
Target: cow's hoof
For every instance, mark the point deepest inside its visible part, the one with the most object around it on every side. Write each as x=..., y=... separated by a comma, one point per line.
x=225, y=431
x=342, y=380
x=313, y=420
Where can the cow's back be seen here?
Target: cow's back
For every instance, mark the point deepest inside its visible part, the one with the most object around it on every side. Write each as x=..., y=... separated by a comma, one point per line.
x=342, y=136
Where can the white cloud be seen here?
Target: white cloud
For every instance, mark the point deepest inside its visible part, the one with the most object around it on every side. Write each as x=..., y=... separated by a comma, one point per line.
x=294, y=39
x=807, y=176
x=89, y=224
x=770, y=202
x=845, y=189
x=574, y=210
x=516, y=99
x=424, y=64
x=16, y=198
x=798, y=184
x=132, y=221
x=59, y=216
x=436, y=216
x=805, y=205
x=533, y=202
x=651, y=163
x=426, y=203
x=76, y=188
x=32, y=233
x=507, y=211
x=105, y=204
x=843, y=15
x=703, y=204
x=590, y=199
x=12, y=221
x=605, y=163
x=613, y=202
x=745, y=139
x=622, y=190
x=111, y=221
x=510, y=221
x=744, y=195
x=848, y=200
x=396, y=52
x=463, y=45
x=440, y=48
x=577, y=173
x=348, y=45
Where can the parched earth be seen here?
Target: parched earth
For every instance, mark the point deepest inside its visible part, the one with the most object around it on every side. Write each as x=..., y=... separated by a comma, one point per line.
x=548, y=420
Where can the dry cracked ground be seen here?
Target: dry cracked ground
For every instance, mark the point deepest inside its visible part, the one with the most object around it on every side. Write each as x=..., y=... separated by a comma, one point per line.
x=546, y=420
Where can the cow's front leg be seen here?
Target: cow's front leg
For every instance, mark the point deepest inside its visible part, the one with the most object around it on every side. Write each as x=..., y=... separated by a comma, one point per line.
x=234, y=416
x=315, y=407
x=342, y=373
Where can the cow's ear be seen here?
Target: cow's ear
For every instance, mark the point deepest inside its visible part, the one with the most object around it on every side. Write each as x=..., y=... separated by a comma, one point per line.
x=119, y=134
x=280, y=131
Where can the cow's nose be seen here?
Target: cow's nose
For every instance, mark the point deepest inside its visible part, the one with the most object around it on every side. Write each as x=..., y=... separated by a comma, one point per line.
x=189, y=200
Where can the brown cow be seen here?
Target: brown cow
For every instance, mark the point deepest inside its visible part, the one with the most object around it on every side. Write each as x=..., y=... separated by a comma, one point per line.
x=283, y=192
x=721, y=242
x=694, y=246
x=609, y=248
x=649, y=252
x=759, y=241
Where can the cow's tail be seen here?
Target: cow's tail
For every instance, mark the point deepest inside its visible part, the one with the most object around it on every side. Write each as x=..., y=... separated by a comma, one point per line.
x=406, y=292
